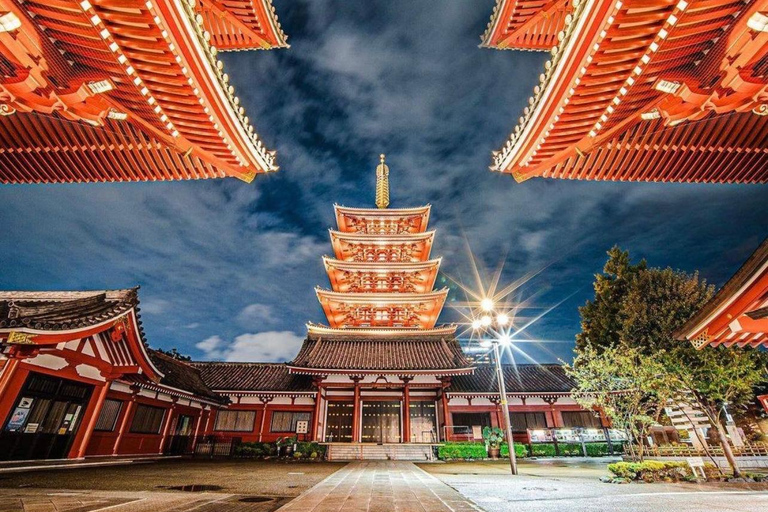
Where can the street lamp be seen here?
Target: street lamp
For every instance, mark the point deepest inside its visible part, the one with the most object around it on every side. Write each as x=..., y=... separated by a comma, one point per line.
x=503, y=339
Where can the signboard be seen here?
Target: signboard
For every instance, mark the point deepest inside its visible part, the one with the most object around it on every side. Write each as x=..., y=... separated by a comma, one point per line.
x=477, y=432
x=302, y=427
x=696, y=463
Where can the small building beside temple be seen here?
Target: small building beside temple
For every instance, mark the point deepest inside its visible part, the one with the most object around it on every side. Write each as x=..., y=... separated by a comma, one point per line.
x=381, y=380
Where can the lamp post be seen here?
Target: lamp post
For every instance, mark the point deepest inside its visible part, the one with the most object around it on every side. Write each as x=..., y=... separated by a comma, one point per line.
x=482, y=325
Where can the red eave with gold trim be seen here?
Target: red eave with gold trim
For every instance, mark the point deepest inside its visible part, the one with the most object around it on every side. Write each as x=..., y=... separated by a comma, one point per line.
x=125, y=90
x=738, y=313
x=642, y=90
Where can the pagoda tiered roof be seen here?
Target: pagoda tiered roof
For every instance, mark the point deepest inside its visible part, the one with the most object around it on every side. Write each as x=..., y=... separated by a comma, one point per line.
x=365, y=276
x=127, y=90
x=407, y=310
x=384, y=221
x=640, y=90
x=407, y=247
x=738, y=313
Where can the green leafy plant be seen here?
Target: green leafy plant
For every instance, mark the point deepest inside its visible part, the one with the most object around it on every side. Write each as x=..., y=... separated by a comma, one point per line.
x=493, y=437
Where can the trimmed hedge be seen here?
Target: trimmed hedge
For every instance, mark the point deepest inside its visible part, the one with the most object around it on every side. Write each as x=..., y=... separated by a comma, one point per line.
x=472, y=451
x=261, y=450
x=651, y=471
x=465, y=451
x=520, y=450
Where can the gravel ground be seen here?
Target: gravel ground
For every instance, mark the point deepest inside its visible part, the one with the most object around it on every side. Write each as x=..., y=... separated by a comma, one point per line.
x=266, y=478
x=573, y=486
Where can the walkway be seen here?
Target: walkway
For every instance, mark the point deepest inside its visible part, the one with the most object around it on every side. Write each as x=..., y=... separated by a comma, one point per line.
x=380, y=487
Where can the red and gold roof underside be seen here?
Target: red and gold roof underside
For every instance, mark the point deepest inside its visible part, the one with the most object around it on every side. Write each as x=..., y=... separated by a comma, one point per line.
x=382, y=248
x=367, y=277
x=738, y=313
x=126, y=90
x=526, y=24
x=641, y=90
x=386, y=221
x=382, y=310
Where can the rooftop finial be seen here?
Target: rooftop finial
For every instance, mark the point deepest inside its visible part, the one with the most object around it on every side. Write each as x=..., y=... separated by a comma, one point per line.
x=382, y=183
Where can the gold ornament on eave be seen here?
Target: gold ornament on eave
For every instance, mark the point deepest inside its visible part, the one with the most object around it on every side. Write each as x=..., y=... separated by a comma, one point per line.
x=382, y=183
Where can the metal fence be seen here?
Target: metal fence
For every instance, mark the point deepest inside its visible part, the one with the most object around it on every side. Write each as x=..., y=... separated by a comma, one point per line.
x=212, y=447
x=681, y=450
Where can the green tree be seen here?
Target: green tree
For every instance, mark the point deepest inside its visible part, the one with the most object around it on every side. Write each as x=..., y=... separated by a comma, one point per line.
x=602, y=317
x=628, y=386
x=640, y=308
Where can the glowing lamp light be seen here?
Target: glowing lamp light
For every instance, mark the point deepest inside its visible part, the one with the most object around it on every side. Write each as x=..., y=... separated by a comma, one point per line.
x=486, y=304
x=504, y=339
x=485, y=321
x=476, y=324
x=485, y=343
x=502, y=319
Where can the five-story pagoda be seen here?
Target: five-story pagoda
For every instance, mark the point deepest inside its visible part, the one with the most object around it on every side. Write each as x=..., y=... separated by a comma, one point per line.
x=381, y=365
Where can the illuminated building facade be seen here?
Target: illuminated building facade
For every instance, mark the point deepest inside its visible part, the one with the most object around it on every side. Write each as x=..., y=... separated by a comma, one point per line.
x=128, y=90
x=381, y=380
x=661, y=90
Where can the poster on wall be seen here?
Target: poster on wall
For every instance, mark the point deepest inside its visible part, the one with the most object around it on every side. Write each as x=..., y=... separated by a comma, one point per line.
x=18, y=418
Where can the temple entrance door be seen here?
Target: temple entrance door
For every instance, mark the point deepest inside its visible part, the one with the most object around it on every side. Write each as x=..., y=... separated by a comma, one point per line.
x=181, y=441
x=423, y=422
x=45, y=418
x=338, y=422
x=381, y=422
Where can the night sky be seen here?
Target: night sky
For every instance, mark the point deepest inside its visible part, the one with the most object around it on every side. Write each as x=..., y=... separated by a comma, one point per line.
x=227, y=270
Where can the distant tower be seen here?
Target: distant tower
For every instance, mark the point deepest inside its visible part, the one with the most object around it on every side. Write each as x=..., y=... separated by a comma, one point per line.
x=382, y=183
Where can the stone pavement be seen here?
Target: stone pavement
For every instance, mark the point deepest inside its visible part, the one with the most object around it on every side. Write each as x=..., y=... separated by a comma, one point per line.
x=380, y=487
x=41, y=500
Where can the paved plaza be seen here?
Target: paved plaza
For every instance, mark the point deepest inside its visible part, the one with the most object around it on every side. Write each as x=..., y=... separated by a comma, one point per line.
x=574, y=486
x=253, y=486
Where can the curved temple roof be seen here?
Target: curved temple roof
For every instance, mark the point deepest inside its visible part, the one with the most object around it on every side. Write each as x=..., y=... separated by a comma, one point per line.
x=127, y=90
x=640, y=90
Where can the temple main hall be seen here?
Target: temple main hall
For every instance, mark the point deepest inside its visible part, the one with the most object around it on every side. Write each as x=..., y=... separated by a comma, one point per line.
x=380, y=379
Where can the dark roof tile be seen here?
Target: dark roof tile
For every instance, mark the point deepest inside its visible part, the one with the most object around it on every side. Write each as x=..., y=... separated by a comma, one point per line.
x=521, y=378
x=371, y=353
x=251, y=377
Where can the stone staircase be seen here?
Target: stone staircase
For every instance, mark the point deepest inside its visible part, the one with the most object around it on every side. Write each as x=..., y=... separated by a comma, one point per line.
x=362, y=451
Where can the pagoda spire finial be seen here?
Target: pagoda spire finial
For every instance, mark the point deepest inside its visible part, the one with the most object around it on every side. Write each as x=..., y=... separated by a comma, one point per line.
x=382, y=183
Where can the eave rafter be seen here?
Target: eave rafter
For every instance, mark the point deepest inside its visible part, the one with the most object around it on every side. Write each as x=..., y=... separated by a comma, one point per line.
x=382, y=310
x=146, y=64
x=622, y=67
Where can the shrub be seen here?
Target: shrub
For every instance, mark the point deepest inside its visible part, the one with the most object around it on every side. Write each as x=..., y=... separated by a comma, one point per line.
x=311, y=450
x=462, y=451
x=521, y=451
x=543, y=450
x=651, y=470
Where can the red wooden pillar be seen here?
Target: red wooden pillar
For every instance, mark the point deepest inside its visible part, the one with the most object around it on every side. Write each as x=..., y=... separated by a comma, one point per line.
x=264, y=400
x=447, y=423
x=124, y=423
x=356, y=412
x=200, y=420
x=316, y=415
x=406, y=410
x=207, y=429
x=91, y=423
x=167, y=427
x=9, y=370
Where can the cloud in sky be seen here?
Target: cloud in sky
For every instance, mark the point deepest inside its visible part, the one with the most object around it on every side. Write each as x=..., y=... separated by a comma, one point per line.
x=274, y=346
x=401, y=77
